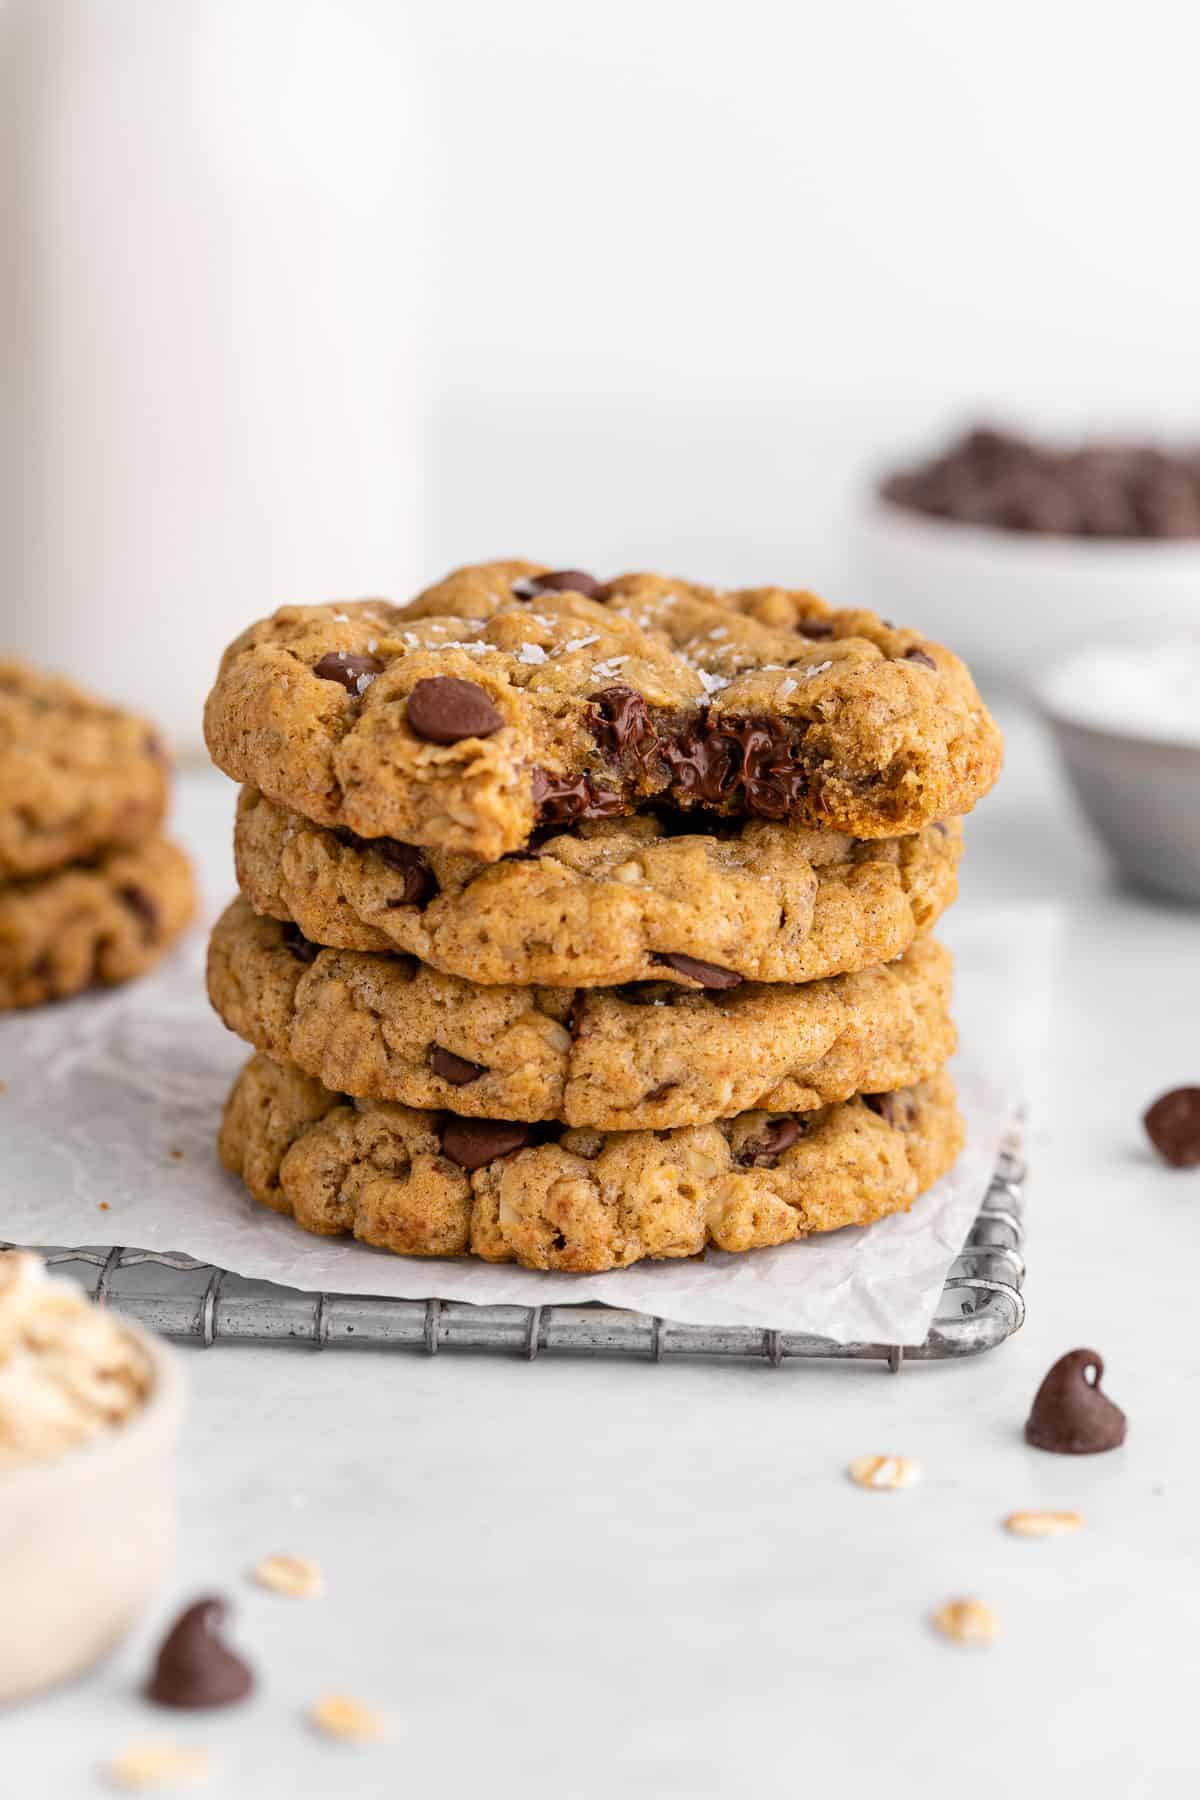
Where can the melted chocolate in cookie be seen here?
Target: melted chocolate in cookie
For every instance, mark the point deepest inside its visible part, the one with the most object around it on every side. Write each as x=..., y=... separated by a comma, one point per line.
x=420, y=883
x=561, y=800
x=143, y=906
x=779, y=1135
x=455, y=1069
x=473, y=1142
x=302, y=948
x=706, y=974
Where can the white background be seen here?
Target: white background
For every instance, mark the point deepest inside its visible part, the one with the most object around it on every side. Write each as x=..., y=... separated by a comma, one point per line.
x=704, y=265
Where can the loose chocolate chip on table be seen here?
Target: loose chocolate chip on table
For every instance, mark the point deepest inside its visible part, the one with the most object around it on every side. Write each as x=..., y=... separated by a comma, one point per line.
x=557, y=581
x=473, y=1142
x=779, y=1135
x=454, y=1068
x=920, y=656
x=194, y=1668
x=1173, y=1127
x=1070, y=1414
x=344, y=666
x=445, y=709
x=302, y=948
x=143, y=905
x=706, y=974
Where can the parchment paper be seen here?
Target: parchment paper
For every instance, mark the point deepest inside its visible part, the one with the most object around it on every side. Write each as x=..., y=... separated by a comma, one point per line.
x=112, y=1102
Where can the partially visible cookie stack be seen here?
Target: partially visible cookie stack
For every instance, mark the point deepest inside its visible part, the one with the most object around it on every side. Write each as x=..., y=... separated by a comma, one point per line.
x=584, y=923
x=91, y=892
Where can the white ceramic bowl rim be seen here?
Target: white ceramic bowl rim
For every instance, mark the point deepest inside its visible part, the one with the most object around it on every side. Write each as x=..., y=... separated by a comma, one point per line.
x=118, y=1443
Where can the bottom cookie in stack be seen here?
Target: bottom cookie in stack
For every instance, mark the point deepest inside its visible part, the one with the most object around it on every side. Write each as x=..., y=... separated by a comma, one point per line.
x=431, y=1183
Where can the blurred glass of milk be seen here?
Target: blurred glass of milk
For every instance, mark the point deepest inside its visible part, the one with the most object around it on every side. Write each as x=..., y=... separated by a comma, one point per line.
x=212, y=311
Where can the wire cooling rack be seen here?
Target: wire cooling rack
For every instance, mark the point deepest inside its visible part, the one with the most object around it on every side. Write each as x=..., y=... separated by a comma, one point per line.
x=981, y=1305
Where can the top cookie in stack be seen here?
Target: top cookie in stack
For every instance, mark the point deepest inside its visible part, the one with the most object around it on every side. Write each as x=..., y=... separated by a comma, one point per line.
x=90, y=891
x=546, y=789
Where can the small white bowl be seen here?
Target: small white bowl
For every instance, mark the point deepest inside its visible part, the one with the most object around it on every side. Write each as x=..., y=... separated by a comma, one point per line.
x=1122, y=719
x=1010, y=601
x=86, y=1539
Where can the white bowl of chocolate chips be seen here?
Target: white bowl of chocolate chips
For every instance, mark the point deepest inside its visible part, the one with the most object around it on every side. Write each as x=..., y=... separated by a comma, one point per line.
x=1015, y=552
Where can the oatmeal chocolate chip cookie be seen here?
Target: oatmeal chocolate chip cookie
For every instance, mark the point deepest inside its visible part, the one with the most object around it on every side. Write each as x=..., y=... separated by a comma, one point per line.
x=510, y=698
x=92, y=924
x=651, y=1055
x=432, y=1184
x=76, y=776
x=612, y=901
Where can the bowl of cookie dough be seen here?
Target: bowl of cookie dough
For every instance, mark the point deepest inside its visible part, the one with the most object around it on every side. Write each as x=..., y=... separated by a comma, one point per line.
x=1125, y=717
x=1017, y=551
x=89, y=1416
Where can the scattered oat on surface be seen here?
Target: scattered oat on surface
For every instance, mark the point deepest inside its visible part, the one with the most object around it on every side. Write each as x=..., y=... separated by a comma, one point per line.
x=1043, y=1524
x=143, y=1766
x=967, y=1622
x=340, y=1716
x=297, y=1576
x=885, y=1471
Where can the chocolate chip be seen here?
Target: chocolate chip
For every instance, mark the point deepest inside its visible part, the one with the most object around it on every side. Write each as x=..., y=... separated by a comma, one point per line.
x=651, y=993
x=1093, y=490
x=894, y=1109
x=779, y=1135
x=302, y=948
x=194, y=1668
x=143, y=906
x=344, y=666
x=420, y=882
x=575, y=1011
x=622, y=726
x=815, y=628
x=561, y=799
x=1173, y=1127
x=661, y=1091
x=557, y=581
x=705, y=974
x=445, y=709
x=473, y=1142
x=453, y=1068
x=757, y=761
x=1070, y=1415
x=920, y=656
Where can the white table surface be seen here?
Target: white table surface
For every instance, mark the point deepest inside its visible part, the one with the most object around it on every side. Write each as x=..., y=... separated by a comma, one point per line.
x=582, y=1577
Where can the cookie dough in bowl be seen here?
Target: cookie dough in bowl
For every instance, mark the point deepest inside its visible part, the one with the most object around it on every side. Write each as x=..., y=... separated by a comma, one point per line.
x=89, y=1413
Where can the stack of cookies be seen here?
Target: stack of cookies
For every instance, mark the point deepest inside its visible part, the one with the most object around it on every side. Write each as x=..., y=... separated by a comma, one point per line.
x=91, y=893
x=586, y=922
